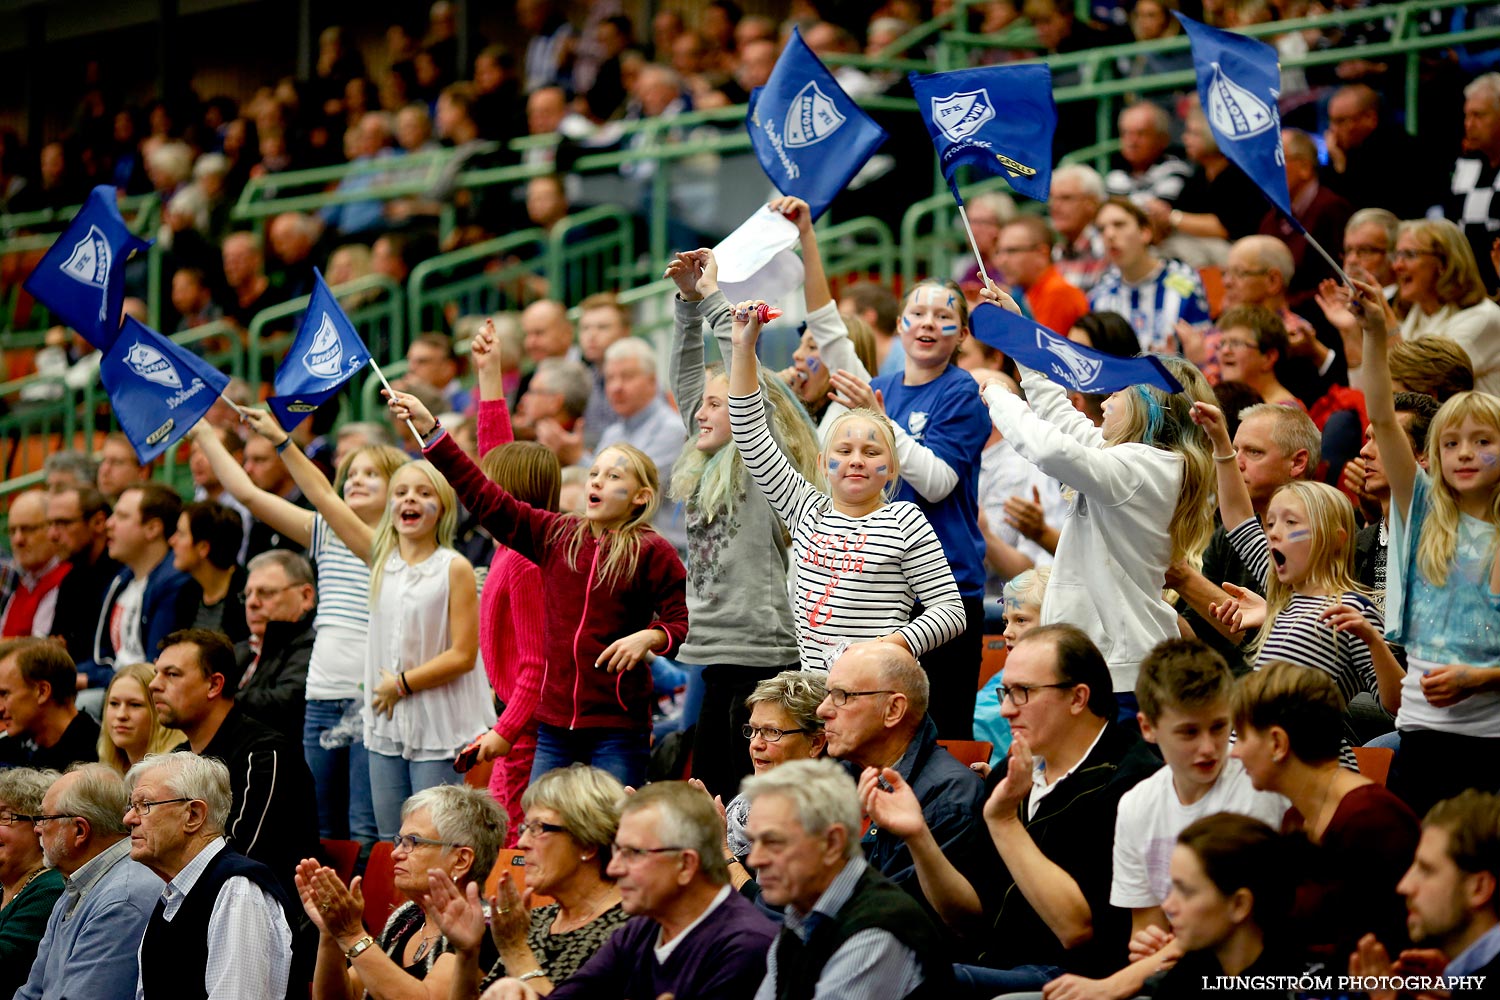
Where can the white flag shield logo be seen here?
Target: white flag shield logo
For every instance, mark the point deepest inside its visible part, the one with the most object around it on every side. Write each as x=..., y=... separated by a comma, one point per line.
x=151, y=365
x=89, y=263
x=1080, y=366
x=812, y=118
x=961, y=115
x=325, y=359
x=1235, y=112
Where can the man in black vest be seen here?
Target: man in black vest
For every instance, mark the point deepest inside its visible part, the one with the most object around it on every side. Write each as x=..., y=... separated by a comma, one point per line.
x=848, y=929
x=221, y=927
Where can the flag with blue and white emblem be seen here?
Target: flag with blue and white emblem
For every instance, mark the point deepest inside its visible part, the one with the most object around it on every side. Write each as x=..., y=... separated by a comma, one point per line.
x=1078, y=368
x=793, y=117
x=326, y=353
x=1239, y=83
x=81, y=278
x=158, y=389
x=999, y=119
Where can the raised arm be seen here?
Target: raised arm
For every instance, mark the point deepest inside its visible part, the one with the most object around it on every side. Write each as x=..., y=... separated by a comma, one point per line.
x=1235, y=506
x=354, y=532
x=282, y=516
x=686, y=370
x=493, y=426
x=815, y=292
x=1380, y=403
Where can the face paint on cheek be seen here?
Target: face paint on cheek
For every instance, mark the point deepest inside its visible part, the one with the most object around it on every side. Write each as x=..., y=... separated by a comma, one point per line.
x=430, y=508
x=949, y=328
x=813, y=364
x=1488, y=459
x=881, y=469
x=1299, y=535
x=906, y=322
x=833, y=465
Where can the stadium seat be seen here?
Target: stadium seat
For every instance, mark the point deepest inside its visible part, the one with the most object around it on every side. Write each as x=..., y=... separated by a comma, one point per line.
x=512, y=861
x=379, y=886
x=992, y=659
x=342, y=855
x=1374, y=762
x=969, y=751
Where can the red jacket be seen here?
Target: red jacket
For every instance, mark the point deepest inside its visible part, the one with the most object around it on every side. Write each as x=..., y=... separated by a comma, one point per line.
x=583, y=616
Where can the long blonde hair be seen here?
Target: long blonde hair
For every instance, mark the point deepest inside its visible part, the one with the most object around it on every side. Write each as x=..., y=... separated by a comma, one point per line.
x=1330, y=558
x=711, y=484
x=1439, y=539
x=162, y=739
x=620, y=546
x=385, y=541
x=1164, y=420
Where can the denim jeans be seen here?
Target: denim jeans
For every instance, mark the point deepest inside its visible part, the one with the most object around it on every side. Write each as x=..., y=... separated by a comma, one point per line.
x=340, y=772
x=393, y=780
x=982, y=983
x=622, y=752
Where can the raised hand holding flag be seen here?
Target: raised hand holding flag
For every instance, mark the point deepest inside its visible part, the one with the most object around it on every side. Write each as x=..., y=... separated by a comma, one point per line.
x=1079, y=368
x=325, y=355
x=157, y=388
x=81, y=278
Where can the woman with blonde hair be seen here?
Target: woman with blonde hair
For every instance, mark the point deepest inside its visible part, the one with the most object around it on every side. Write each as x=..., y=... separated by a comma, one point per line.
x=131, y=727
x=1439, y=294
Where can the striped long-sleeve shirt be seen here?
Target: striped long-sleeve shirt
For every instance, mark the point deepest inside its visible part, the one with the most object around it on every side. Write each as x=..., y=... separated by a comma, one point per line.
x=855, y=578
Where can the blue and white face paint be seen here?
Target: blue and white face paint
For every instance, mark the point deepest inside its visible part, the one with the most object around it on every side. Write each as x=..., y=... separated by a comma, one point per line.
x=932, y=326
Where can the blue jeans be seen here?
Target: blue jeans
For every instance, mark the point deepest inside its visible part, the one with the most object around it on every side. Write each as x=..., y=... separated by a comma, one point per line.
x=335, y=755
x=985, y=983
x=393, y=780
x=1390, y=740
x=622, y=752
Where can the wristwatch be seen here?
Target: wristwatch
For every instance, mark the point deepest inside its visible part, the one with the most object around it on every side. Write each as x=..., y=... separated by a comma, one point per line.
x=533, y=974
x=361, y=946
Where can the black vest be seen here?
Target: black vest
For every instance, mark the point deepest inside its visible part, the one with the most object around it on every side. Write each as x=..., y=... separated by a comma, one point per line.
x=174, y=955
x=877, y=903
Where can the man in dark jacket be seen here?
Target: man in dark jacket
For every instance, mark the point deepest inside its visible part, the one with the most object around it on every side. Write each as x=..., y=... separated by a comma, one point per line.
x=77, y=519
x=279, y=600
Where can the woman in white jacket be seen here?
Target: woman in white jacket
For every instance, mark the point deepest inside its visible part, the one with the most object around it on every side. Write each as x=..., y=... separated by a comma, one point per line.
x=1142, y=499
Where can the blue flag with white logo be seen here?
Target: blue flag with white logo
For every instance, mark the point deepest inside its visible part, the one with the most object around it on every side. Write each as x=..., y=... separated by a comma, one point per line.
x=999, y=119
x=158, y=389
x=81, y=279
x=1079, y=368
x=1239, y=82
x=327, y=353
x=792, y=118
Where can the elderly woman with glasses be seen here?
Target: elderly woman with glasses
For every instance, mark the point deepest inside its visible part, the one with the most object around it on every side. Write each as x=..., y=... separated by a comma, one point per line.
x=571, y=817
x=452, y=829
x=28, y=888
x=1439, y=294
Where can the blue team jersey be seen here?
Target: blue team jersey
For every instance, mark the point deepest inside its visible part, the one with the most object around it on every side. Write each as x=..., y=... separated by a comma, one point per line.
x=1153, y=307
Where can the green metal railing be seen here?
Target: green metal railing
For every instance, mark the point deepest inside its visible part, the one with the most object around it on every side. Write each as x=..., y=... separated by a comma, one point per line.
x=499, y=274
x=932, y=235
x=858, y=246
x=591, y=251
x=379, y=320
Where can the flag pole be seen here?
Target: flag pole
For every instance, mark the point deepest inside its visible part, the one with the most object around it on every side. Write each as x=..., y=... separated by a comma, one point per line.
x=1331, y=262
x=975, y=244
x=236, y=407
x=381, y=375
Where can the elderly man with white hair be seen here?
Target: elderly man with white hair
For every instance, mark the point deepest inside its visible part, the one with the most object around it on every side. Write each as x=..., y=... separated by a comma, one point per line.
x=644, y=419
x=222, y=926
x=848, y=931
x=1077, y=192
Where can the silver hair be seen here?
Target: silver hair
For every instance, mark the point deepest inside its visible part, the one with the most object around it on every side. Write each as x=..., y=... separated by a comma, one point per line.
x=295, y=565
x=189, y=776
x=82, y=467
x=175, y=159
x=1160, y=120
x=468, y=817
x=1086, y=176
x=632, y=348
x=1270, y=252
x=98, y=795
x=686, y=819
x=1485, y=85
x=215, y=164
x=822, y=793
x=798, y=692
x=568, y=377
x=1376, y=217
x=22, y=788
x=1292, y=430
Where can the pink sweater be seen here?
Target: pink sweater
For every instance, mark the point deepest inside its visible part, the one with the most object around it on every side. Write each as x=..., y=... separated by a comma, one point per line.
x=512, y=622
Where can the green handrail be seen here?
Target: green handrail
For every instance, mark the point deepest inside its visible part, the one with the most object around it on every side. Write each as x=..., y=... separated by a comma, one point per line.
x=379, y=322
x=261, y=196
x=370, y=406
x=478, y=289
x=579, y=264
x=939, y=246
x=846, y=251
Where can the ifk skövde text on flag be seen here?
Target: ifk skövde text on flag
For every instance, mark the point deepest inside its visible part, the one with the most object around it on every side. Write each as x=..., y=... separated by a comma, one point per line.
x=998, y=119
x=158, y=389
x=1079, y=368
x=809, y=136
x=326, y=353
x=81, y=278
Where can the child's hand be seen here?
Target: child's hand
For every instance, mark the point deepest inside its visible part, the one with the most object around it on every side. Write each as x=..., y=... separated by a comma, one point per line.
x=992, y=292
x=746, y=322
x=1211, y=419
x=262, y=423
x=1148, y=941
x=708, y=281
x=484, y=348
x=492, y=745
x=405, y=406
x=1244, y=610
x=1368, y=305
x=796, y=210
x=685, y=269
x=1346, y=618
x=627, y=652
x=854, y=393
x=1448, y=685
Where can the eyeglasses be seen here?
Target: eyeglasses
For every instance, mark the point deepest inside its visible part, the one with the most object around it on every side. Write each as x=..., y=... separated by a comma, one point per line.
x=1238, y=342
x=1020, y=694
x=8, y=818
x=408, y=842
x=1359, y=251
x=1411, y=255
x=840, y=697
x=630, y=855
x=1014, y=250
x=44, y=819
x=536, y=828
x=265, y=594
x=143, y=808
x=768, y=733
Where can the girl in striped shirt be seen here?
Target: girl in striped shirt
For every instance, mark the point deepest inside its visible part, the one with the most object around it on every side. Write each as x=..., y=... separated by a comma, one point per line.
x=1315, y=612
x=862, y=563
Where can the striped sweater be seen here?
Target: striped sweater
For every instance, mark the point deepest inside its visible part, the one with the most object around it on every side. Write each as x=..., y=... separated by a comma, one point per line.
x=855, y=578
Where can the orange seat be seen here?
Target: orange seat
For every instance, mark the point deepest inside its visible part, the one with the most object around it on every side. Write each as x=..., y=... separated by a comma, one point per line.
x=478, y=776
x=1213, y=287
x=969, y=751
x=379, y=887
x=992, y=659
x=512, y=861
x=342, y=855
x=1374, y=762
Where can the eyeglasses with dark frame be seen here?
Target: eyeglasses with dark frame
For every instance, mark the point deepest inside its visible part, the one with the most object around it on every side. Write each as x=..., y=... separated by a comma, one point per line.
x=144, y=807
x=536, y=827
x=1020, y=694
x=8, y=818
x=408, y=842
x=630, y=855
x=839, y=697
x=246, y=596
x=769, y=733
x=46, y=819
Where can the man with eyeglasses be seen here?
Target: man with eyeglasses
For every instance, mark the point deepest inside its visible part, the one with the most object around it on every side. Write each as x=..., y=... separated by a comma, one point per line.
x=31, y=607
x=38, y=708
x=690, y=934
x=221, y=926
x=875, y=717
x=1050, y=814
x=1320, y=212
x=275, y=817
x=89, y=947
x=279, y=598
x=77, y=524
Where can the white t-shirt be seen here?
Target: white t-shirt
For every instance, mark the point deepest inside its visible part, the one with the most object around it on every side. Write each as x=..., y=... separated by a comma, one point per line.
x=125, y=624
x=1003, y=474
x=1151, y=816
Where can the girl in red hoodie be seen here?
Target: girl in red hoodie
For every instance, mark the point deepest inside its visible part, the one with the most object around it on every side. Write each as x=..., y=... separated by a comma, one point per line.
x=616, y=593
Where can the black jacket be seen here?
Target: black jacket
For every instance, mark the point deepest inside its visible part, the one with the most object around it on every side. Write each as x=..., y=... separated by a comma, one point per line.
x=277, y=692
x=80, y=598
x=190, y=599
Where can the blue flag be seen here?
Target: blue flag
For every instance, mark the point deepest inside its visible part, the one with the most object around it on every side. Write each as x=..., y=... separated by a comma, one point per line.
x=800, y=106
x=158, y=389
x=1239, y=81
x=81, y=279
x=999, y=119
x=1079, y=368
x=327, y=353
